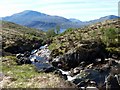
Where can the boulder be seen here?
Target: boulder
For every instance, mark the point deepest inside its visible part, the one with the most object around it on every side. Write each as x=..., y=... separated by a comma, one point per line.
x=112, y=83
x=49, y=69
x=27, y=54
x=18, y=56
x=23, y=60
x=81, y=84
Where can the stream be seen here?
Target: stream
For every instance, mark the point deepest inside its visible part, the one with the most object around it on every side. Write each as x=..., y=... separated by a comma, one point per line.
x=39, y=58
x=79, y=75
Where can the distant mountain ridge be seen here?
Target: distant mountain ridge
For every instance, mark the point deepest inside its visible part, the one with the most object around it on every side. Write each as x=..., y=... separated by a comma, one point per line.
x=44, y=22
x=109, y=17
x=75, y=20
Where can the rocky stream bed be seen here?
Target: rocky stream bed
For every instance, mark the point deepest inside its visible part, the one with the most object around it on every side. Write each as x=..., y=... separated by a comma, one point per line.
x=95, y=76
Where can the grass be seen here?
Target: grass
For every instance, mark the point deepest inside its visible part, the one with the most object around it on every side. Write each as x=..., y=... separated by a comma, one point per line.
x=53, y=45
x=25, y=76
x=107, y=32
x=17, y=36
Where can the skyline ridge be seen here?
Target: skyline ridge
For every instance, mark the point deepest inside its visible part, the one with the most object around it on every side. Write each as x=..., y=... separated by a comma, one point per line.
x=34, y=11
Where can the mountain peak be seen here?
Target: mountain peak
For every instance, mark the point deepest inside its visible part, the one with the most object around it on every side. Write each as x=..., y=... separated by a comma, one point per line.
x=43, y=21
x=31, y=12
x=110, y=17
x=113, y=16
x=27, y=11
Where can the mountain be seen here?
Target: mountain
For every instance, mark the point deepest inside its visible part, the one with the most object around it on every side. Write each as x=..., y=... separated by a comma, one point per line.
x=75, y=20
x=44, y=22
x=109, y=17
x=38, y=20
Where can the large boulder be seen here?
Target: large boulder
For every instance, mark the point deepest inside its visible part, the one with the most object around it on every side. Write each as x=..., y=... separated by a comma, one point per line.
x=46, y=69
x=21, y=59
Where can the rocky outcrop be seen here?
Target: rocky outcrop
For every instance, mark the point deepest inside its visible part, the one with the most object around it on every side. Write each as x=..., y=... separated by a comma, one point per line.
x=90, y=44
x=22, y=45
x=83, y=73
x=89, y=52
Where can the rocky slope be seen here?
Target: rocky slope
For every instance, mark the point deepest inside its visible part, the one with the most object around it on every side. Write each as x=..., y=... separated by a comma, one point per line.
x=16, y=38
x=98, y=41
x=86, y=57
x=90, y=54
x=19, y=39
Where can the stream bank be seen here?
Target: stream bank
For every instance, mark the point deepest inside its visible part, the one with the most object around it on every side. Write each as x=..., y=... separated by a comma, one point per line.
x=83, y=76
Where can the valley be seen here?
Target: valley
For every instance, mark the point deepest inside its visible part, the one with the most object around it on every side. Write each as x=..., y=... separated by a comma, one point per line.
x=84, y=55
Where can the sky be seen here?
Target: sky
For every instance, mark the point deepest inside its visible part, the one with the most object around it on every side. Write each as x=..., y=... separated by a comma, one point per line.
x=83, y=10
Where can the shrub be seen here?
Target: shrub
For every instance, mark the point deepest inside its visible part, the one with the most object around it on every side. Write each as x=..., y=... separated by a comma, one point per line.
x=109, y=36
x=50, y=33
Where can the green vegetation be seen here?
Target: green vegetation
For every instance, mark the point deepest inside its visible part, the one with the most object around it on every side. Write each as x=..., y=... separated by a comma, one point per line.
x=108, y=32
x=53, y=32
x=25, y=76
x=53, y=45
x=20, y=30
x=57, y=29
x=17, y=38
x=110, y=36
x=50, y=33
x=66, y=31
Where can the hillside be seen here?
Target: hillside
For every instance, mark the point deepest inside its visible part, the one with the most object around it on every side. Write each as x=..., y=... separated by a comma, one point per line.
x=80, y=44
x=80, y=56
x=45, y=22
x=17, y=38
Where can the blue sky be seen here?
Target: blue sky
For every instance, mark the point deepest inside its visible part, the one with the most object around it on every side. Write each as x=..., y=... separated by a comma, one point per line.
x=83, y=10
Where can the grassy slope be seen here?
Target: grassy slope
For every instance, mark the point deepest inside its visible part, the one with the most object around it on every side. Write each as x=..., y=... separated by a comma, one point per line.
x=25, y=76
x=10, y=30
x=99, y=31
x=17, y=35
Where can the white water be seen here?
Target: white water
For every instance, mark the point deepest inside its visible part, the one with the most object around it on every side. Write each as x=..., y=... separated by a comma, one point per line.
x=64, y=72
x=42, y=55
x=70, y=78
